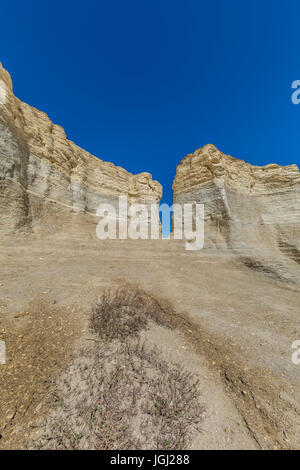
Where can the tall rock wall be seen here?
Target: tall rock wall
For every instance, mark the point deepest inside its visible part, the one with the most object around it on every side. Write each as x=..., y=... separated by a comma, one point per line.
x=47, y=183
x=252, y=210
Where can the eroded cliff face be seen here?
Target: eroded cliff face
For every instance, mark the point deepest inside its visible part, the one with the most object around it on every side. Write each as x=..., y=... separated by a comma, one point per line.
x=252, y=210
x=47, y=183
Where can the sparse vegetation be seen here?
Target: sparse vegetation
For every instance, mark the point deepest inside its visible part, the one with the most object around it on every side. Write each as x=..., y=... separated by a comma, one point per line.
x=124, y=311
x=119, y=393
x=39, y=342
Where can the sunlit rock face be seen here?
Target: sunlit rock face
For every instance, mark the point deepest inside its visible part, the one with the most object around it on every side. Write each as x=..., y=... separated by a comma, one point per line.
x=47, y=183
x=252, y=210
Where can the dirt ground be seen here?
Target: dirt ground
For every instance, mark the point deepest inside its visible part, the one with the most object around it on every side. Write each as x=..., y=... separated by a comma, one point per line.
x=234, y=329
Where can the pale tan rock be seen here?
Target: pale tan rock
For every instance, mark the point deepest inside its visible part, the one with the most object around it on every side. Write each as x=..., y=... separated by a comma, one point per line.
x=252, y=210
x=46, y=181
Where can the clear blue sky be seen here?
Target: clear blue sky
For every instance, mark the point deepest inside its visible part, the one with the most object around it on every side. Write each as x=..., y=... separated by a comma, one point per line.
x=143, y=83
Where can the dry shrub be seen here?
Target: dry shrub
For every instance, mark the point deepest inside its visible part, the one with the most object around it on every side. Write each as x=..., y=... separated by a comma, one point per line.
x=124, y=312
x=118, y=393
x=123, y=397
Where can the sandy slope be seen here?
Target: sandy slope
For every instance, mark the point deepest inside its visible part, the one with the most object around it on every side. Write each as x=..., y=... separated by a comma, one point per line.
x=234, y=326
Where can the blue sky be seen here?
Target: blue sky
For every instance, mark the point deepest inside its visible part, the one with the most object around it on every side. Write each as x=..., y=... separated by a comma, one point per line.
x=143, y=83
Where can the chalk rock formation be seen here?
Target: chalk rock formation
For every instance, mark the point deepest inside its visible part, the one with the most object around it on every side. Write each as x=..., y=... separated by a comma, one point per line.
x=252, y=210
x=46, y=181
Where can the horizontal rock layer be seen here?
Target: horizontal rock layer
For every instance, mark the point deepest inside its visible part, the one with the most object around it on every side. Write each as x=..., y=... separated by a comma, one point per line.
x=250, y=209
x=46, y=181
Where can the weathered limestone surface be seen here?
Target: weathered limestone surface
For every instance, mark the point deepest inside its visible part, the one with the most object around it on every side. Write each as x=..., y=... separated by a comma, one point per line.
x=252, y=210
x=48, y=183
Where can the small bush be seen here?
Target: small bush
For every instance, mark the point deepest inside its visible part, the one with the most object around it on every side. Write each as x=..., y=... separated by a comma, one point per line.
x=124, y=312
x=123, y=397
x=118, y=393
